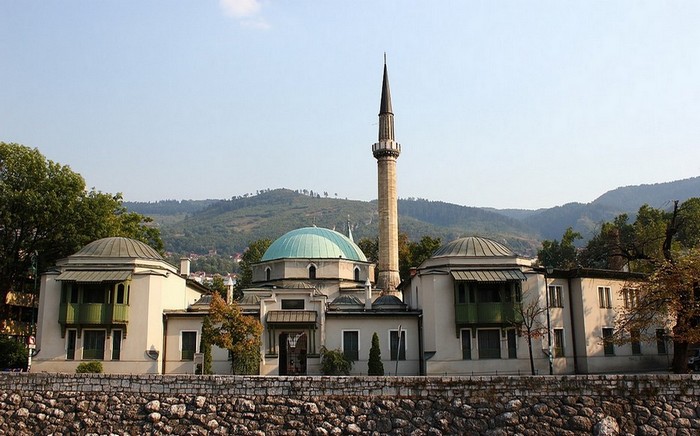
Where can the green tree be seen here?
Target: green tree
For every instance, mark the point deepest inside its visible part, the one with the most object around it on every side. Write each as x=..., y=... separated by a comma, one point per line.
x=238, y=333
x=560, y=254
x=205, y=345
x=411, y=254
x=252, y=254
x=334, y=362
x=664, y=245
x=45, y=211
x=375, y=365
x=217, y=285
x=13, y=354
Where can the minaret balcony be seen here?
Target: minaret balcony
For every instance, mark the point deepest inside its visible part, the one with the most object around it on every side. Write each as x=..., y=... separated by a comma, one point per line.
x=386, y=148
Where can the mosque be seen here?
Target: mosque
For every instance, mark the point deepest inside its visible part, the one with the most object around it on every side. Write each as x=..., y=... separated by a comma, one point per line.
x=464, y=311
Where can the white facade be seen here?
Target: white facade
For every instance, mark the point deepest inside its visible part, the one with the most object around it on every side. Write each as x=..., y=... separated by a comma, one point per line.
x=106, y=303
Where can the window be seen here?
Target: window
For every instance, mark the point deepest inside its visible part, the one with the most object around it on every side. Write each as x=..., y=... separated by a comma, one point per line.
x=489, y=293
x=661, y=341
x=357, y=274
x=604, y=297
x=312, y=271
x=461, y=294
x=608, y=346
x=630, y=297
x=558, y=344
x=512, y=347
x=70, y=294
x=93, y=344
x=121, y=294
x=188, y=345
x=292, y=304
x=94, y=294
x=555, y=296
x=396, y=347
x=70, y=344
x=268, y=273
x=116, y=344
x=489, y=344
x=635, y=340
x=351, y=344
x=466, y=344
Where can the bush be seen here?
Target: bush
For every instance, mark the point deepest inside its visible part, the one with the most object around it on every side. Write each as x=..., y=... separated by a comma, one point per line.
x=375, y=365
x=13, y=353
x=92, y=367
x=334, y=362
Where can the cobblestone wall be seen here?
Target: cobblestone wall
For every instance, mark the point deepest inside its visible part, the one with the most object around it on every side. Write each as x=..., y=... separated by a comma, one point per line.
x=137, y=404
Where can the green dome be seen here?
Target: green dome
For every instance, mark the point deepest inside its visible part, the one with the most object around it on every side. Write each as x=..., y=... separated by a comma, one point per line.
x=314, y=243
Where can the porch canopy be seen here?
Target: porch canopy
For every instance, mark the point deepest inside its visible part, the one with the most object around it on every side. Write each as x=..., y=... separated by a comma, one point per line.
x=489, y=275
x=94, y=276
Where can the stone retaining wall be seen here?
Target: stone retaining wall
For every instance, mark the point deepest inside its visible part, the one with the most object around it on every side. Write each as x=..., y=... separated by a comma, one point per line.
x=137, y=404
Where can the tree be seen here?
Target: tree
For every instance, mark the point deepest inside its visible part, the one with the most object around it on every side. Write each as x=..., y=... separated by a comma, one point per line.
x=528, y=321
x=375, y=365
x=46, y=212
x=13, y=353
x=252, y=254
x=218, y=286
x=411, y=254
x=205, y=345
x=334, y=362
x=240, y=334
x=663, y=244
x=560, y=254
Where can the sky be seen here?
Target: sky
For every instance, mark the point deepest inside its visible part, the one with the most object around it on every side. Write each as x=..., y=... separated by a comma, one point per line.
x=506, y=104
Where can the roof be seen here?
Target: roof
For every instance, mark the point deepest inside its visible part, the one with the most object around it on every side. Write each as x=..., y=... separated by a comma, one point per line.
x=314, y=243
x=474, y=246
x=94, y=276
x=500, y=275
x=388, y=302
x=385, y=104
x=119, y=247
x=291, y=316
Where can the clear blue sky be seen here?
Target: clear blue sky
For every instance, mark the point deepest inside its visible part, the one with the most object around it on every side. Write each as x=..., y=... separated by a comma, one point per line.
x=520, y=104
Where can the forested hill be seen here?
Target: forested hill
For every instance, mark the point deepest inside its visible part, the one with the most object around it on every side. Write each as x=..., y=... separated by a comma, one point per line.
x=227, y=226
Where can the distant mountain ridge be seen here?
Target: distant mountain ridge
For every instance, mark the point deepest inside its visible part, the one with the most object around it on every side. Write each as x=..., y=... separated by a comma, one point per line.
x=227, y=226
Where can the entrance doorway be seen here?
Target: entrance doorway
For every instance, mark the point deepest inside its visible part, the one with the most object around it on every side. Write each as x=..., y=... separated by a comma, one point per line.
x=293, y=349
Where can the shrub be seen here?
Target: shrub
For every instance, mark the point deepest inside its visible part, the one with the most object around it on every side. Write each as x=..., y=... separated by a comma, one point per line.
x=92, y=367
x=334, y=362
x=375, y=365
x=13, y=353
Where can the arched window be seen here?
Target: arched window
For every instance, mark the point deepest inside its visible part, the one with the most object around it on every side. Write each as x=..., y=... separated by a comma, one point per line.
x=267, y=274
x=312, y=271
x=357, y=274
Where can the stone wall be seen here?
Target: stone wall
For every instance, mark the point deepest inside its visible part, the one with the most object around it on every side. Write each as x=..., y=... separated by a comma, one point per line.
x=137, y=404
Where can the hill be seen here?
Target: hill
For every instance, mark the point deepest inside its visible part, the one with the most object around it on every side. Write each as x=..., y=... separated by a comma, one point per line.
x=227, y=226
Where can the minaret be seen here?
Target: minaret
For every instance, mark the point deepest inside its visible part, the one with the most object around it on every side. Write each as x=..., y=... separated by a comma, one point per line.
x=386, y=151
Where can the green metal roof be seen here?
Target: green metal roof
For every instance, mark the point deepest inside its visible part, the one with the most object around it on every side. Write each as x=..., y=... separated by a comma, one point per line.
x=119, y=247
x=314, y=243
x=474, y=246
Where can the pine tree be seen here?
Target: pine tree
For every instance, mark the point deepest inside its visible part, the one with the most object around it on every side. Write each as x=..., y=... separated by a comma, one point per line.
x=376, y=367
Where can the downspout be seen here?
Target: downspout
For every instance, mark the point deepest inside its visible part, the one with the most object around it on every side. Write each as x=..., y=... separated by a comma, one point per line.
x=421, y=357
x=165, y=341
x=573, y=327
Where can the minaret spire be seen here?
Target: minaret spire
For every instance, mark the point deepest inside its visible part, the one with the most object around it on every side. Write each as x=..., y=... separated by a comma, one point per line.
x=386, y=151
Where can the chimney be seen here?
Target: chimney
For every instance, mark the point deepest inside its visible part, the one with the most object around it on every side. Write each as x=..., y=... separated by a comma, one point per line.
x=185, y=267
x=412, y=271
x=368, y=295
